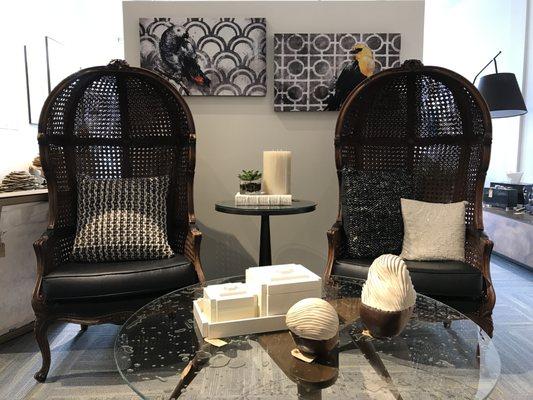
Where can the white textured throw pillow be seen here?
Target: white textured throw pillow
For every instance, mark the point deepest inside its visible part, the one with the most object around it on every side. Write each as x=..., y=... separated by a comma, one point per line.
x=433, y=231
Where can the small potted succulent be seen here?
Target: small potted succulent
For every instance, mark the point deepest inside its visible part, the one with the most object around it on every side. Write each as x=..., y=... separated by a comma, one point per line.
x=250, y=182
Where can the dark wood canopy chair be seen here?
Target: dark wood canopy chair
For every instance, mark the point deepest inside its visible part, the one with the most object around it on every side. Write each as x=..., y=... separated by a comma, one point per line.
x=416, y=117
x=112, y=122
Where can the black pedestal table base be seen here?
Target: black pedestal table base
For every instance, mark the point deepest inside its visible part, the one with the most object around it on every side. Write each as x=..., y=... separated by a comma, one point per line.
x=265, y=253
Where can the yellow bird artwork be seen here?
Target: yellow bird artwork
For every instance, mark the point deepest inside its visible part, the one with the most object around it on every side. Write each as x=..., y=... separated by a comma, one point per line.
x=361, y=67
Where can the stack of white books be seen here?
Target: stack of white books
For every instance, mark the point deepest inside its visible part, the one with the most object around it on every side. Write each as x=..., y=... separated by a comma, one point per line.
x=263, y=199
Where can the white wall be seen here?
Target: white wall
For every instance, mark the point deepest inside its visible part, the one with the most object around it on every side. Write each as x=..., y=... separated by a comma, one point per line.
x=233, y=132
x=526, y=156
x=464, y=35
x=90, y=31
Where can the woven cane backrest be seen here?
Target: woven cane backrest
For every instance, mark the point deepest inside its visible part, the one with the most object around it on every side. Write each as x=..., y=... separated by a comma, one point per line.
x=116, y=122
x=429, y=121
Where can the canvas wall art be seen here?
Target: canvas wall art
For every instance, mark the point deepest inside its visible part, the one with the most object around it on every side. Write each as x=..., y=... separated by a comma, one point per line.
x=316, y=71
x=207, y=56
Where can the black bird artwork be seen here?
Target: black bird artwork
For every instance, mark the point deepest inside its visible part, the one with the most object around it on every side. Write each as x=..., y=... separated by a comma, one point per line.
x=361, y=67
x=179, y=59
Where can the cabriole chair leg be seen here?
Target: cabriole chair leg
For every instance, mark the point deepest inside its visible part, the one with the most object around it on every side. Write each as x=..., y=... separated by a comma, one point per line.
x=40, y=330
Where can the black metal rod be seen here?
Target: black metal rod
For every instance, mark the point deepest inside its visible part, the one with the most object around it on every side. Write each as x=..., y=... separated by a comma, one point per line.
x=265, y=254
x=485, y=67
x=27, y=83
x=47, y=65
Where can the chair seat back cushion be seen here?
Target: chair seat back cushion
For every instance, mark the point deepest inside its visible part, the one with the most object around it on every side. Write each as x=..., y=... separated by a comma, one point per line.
x=122, y=219
x=433, y=231
x=371, y=213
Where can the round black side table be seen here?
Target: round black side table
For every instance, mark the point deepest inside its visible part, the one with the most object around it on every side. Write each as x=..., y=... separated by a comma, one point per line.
x=297, y=207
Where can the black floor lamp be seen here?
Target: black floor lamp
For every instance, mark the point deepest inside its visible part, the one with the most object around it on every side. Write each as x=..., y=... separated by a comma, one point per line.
x=501, y=92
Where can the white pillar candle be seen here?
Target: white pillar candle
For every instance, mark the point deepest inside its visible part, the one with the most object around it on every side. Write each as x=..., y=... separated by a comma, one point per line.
x=277, y=172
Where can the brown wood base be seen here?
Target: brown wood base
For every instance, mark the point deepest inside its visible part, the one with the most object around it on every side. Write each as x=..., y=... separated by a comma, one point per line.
x=320, y=348
x=384, y=324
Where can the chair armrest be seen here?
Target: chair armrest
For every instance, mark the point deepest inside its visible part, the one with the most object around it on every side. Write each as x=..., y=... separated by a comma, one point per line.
x=334, y=235
x=478, y=251
x=480, y=247
x=43, y=248
x=192, y=250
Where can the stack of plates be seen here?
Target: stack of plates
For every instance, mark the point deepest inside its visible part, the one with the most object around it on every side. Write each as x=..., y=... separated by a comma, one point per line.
x=37, y=162
x=18, y=180
x=36, y=170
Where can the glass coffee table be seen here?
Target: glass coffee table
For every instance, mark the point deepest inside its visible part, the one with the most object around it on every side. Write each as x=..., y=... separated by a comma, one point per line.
x=160, y=355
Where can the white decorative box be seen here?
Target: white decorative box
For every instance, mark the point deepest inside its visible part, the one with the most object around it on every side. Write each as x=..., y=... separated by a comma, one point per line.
x=229, y=301
x=259, y=305
x=279, y=287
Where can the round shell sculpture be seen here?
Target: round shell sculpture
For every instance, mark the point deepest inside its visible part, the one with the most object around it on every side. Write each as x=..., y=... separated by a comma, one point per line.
x=388, y=297
x=314, y=326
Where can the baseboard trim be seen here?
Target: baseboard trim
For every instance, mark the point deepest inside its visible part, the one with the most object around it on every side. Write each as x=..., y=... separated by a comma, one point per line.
x=16, y=332
x=513, y=261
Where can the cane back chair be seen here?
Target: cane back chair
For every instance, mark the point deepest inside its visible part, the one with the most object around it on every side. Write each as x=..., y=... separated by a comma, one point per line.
x=110, y=122
x=433, y=123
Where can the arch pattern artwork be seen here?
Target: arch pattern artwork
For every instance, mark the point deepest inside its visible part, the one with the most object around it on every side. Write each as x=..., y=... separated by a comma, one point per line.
x=315, y=71
x=207, y=56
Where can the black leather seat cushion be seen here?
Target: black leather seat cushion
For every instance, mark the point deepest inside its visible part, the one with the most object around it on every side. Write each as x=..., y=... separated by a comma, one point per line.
x=89, y=281
x=434, y=278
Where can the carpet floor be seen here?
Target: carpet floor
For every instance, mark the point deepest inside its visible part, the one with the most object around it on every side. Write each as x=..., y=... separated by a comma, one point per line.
x=83, y=366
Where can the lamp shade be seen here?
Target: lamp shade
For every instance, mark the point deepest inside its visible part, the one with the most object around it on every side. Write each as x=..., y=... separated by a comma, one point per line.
x=502, y=94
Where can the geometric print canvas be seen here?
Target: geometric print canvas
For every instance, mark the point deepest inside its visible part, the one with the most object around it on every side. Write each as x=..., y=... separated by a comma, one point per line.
x=316, y=71
x=207, y=56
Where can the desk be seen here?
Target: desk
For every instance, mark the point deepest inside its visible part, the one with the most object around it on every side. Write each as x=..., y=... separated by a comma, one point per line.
x=23, y=217
x=23, y=196
x=511, y=233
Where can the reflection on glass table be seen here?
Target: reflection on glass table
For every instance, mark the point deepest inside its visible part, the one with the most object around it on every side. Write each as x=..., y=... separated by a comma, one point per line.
x=160, y=354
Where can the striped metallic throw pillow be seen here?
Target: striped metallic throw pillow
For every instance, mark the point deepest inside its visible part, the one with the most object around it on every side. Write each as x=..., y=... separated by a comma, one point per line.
x=122, y=219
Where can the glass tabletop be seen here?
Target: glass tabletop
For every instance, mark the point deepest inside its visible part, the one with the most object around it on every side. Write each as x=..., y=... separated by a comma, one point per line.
x=160, y=355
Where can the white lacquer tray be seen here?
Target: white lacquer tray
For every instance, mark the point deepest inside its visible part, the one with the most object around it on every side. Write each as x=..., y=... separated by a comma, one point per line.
x=238, y=327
